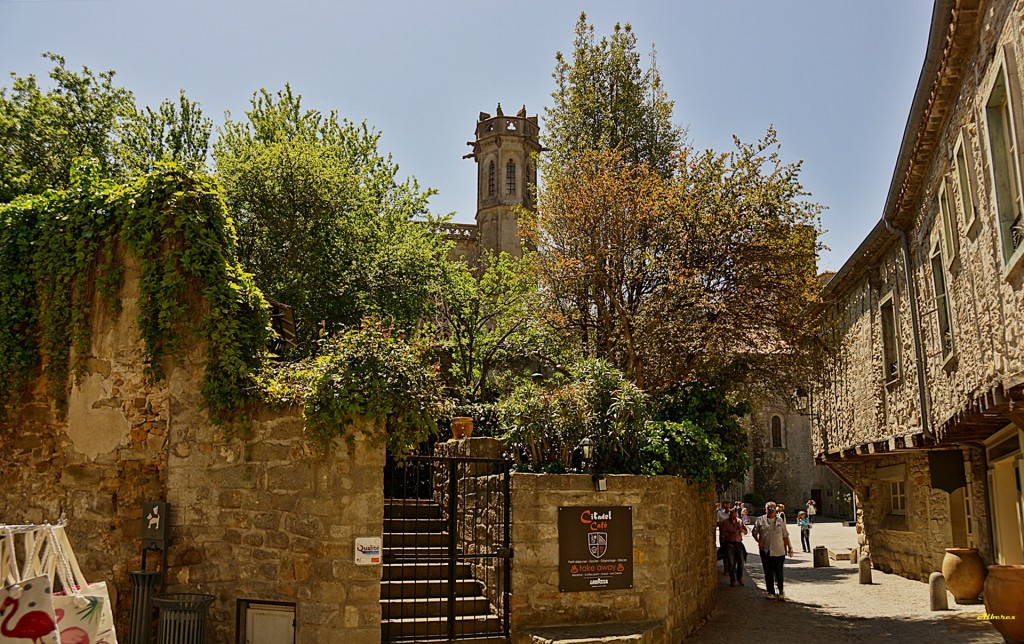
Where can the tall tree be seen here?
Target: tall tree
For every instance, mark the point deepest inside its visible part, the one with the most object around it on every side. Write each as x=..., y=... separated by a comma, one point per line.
x=604, y=100
x=704, y=276
x=323, y=223
x=43, y=132
x=484, y=318
x=175, y=132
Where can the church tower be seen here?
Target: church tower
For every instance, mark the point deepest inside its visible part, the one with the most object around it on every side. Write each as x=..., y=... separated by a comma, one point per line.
x=505, y=154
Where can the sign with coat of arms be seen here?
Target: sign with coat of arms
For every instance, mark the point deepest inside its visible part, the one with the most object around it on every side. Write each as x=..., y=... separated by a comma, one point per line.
x=595, y=548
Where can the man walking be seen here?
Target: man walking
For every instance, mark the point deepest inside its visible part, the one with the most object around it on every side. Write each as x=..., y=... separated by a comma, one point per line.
x=732, y=531
x=773, y=541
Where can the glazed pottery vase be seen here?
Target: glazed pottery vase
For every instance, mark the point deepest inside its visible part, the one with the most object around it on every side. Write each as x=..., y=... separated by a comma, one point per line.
x=965, y=574
x=462, y=427
x=1004, y=601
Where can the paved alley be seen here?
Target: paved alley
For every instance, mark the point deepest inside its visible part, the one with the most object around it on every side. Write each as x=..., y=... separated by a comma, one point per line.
x=829, y=603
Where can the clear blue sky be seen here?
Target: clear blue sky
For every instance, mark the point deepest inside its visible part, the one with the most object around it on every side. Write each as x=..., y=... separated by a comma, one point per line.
x=835, y=78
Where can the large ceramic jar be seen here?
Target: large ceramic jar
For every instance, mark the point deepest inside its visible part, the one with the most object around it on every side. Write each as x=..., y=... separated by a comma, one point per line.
x=1004, y=601
x=964, y=573
x=462, y=427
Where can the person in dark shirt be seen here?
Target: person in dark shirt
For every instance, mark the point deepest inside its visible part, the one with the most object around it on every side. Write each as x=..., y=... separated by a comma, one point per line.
x=731, y=531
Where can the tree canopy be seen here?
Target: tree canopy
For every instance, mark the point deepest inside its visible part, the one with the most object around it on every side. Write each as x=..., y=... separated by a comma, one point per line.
x=322, y=222
x=605, y=101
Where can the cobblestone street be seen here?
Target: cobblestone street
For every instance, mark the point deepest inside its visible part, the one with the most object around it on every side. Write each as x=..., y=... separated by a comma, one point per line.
x=829, y=603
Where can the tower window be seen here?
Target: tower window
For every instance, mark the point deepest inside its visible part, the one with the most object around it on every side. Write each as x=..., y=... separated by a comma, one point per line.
x=490, y=179
x=510, y=177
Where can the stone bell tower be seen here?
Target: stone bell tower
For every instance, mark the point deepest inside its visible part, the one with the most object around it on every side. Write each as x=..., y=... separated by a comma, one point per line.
x=505, y=157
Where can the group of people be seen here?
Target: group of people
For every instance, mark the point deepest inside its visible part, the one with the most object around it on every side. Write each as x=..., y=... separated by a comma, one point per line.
x=772, y=536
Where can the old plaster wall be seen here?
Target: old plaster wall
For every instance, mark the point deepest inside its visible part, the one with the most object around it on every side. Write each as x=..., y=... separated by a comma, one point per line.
x=673, y=553
x=255, y=514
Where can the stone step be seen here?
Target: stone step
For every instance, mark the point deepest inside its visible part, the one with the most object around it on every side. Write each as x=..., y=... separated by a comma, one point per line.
x=410, y=553
x=396, y=540
x=433, y=607
x=401, y=524
x=410, y=588
x=485, y=639
x=392, y=629
x=411, y=509
x=410, y=570
x=606, y=633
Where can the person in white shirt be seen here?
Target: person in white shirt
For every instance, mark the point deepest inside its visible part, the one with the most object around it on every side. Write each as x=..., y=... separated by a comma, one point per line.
x=812, y=509
x=773, y=541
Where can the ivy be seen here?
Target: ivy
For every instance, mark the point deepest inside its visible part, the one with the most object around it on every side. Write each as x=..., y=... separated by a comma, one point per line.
x=366, y=373
x=59, y=248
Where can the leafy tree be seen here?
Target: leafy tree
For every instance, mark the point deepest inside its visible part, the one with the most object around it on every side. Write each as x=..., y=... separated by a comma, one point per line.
x=323, y=224
x=484, y=319
x=43, y=132
x=176, y=132
x=696, y=277
x=605, y=101
x=367, y=372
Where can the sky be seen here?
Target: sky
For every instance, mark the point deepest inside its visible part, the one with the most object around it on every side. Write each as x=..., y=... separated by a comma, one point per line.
x=836, y=79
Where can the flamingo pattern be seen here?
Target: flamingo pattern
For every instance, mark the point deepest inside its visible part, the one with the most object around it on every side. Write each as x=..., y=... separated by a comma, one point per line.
x=35, y=625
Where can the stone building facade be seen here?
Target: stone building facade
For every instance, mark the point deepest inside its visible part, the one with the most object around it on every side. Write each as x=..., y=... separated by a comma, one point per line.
x=920, y=411
x=505, y=150
x=783, y=468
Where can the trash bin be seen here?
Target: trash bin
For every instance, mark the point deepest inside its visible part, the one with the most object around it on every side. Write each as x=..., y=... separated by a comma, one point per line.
x=182, y=617
x=143, y=583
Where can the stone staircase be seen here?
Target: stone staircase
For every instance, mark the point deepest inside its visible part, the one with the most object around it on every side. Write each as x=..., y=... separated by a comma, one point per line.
x=414, y=594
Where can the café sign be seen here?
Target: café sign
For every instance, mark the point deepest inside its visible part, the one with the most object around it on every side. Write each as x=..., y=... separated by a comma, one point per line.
x=595, y=548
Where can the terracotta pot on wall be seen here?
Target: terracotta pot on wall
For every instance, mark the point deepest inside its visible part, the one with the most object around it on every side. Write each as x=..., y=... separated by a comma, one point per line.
x=462, y=427
x=1004, y=601
x=965, y=574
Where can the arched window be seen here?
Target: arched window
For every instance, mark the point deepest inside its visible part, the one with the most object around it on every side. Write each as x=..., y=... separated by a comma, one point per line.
x=510, y=177
x=777, y=437
x=490, y=180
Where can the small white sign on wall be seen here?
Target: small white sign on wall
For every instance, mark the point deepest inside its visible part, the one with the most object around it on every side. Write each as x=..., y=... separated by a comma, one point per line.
x=368, y=551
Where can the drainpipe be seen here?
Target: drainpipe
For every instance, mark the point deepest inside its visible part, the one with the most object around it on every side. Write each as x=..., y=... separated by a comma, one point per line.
x=915, y=322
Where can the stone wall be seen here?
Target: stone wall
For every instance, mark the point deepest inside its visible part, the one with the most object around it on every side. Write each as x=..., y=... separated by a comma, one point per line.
x=673, y=554
x=914, y=544
x=254, y=513
x=787, y=474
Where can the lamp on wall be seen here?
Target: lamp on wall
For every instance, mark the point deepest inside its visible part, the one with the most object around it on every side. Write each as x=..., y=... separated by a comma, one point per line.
x=586, y=448
x=587, y=452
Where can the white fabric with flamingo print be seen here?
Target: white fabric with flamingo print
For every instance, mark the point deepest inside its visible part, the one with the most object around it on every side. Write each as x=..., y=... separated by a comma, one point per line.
x=26, y=605
x=83, y=610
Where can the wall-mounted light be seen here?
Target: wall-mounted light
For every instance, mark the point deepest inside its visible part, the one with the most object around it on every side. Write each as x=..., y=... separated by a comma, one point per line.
x=587, y=449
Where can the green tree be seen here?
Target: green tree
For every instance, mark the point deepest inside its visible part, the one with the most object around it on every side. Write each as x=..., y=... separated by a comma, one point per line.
x=43, y=132
x=605, y=101
x=322, y=222
x=175, y=131
x=484, y=320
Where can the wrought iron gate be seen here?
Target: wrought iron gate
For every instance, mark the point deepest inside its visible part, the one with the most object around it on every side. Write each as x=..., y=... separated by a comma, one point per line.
x=447, y=550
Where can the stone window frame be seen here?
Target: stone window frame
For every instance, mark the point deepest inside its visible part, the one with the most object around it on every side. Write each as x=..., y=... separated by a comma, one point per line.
x=1003, y=145
x=943, y=308
x=965, y=181
x=892, y=365
x=779, y=428
x=894, y=476
x=949, y=233
x=897, y=493
x=491, y=184
x=510, y=177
